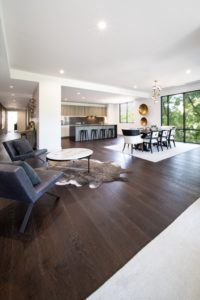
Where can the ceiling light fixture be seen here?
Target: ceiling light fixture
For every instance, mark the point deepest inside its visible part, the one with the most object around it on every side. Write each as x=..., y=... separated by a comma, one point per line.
x=102, y=25
x=11, y=86
x=135, y=86
x=62, y=71
x=188, y=71
x=156, y=91
x=78, y=93
x=12, y=94
x=83, y=97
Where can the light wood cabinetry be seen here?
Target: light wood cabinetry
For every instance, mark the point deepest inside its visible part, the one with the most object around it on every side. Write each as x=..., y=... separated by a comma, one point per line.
x=81, y=111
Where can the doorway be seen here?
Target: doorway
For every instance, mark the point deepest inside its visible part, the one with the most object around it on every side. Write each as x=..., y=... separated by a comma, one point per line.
x=12, y=121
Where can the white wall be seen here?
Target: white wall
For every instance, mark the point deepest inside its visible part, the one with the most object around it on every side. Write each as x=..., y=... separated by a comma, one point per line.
x=112, y=113
x=154, y=113
x=153, y=117
x=49, y=115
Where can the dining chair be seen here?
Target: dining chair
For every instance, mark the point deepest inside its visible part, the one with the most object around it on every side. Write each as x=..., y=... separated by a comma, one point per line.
x=163, y=138
x=132, y=137
x=151, y=140
x=172, y=136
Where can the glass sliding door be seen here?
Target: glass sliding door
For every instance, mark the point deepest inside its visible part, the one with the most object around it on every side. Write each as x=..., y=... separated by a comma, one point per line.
x=192, y=117
x=175, y=115
x=164, y=110
x=182, y=111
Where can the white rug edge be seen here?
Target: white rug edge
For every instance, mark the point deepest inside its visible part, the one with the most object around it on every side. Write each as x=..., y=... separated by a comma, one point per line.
x=194, y=146
x=144, y=249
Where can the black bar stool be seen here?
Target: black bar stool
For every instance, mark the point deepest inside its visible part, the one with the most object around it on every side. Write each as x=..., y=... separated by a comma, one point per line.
x=110, y=132
x=102, y=133
x=94, y=134
x=84, y=135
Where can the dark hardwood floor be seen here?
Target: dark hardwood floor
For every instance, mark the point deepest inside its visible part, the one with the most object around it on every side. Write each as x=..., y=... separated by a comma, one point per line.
x=73, y=246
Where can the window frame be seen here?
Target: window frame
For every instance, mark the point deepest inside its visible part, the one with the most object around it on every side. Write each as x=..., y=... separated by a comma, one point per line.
x=184, y=129
x=127, y=112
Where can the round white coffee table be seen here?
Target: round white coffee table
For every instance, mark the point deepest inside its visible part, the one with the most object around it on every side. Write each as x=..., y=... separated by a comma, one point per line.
x=70, y=154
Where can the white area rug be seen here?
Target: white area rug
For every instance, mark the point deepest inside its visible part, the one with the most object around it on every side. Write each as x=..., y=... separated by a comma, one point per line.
x=168, y=268
x=155, y=156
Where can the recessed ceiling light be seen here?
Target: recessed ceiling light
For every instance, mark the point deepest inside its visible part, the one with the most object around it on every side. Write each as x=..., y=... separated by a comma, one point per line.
x=12, y=94
x=78, y=93
x=83, y=97
x=65, y=99
x=102, y=25
x=188, y=71
x=135, y=86
x=62, y=71
x=11, y=86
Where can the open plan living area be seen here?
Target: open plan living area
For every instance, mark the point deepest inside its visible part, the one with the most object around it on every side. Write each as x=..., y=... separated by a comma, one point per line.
x=99, y=150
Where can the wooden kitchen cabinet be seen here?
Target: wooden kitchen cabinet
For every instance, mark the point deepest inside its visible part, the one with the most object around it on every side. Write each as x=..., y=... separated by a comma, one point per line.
x=81, y=111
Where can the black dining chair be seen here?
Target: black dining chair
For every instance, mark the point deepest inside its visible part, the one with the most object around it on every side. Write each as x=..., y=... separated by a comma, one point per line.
x=132, y=137
x=172, y=136
x=163, y=138
x=151, y=140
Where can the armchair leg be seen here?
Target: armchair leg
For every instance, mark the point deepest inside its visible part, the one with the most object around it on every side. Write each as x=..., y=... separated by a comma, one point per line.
x=44, y=161
x=26, y=218
x=53, y=195
x=28, y=213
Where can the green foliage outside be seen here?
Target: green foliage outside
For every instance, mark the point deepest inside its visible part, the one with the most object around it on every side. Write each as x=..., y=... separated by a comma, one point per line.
x=183, y=111
x=126, y=113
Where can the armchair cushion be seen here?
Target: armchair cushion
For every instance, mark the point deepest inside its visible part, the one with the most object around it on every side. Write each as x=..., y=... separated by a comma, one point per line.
x=30, y=172
x=22, y=146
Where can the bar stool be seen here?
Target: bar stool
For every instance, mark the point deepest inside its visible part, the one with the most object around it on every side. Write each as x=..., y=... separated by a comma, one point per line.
x=102, y=133
x=94, y=134
x=84, y=135
x=110, y=132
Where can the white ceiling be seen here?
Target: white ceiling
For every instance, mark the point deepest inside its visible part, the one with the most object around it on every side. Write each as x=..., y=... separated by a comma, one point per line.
x=70, y=94
x=144, y=40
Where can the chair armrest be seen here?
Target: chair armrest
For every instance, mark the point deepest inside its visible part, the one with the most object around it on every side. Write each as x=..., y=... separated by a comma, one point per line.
x=48, y=180
x=39, y=152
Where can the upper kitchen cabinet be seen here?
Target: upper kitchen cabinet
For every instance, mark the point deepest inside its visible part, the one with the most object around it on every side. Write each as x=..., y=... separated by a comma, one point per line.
x=83, y=111
x=72, y=110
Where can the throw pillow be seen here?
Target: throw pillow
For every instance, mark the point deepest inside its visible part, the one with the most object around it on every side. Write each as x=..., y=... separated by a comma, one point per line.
x=33, y=176
x=22, y=146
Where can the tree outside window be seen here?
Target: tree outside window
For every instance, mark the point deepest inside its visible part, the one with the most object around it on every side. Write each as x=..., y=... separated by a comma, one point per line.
x=126, y=113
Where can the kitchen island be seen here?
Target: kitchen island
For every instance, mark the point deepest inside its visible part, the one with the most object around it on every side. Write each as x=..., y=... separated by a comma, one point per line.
x=88, y=132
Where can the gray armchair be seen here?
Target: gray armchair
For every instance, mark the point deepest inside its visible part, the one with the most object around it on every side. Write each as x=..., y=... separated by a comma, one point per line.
x=23, y=152
x=15, y=184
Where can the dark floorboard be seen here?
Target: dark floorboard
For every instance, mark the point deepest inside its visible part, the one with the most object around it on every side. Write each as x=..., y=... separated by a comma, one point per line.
x=74, y=245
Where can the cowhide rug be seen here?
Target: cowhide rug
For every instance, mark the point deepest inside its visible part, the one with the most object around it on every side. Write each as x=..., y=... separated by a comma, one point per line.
x=76, y=172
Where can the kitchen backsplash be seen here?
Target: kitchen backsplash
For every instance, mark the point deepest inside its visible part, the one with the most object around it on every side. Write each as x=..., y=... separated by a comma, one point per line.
x=81, y=120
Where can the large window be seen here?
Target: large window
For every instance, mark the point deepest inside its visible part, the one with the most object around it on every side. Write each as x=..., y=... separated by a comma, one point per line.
x=183, y=111
x=126, y=114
